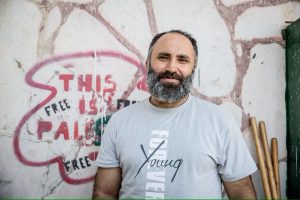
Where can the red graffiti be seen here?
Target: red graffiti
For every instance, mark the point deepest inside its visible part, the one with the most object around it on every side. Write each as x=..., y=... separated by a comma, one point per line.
x=63, y=130
x=84, y=83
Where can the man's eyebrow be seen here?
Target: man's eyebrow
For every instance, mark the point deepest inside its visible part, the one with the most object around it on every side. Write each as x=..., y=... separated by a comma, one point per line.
x=163, y=54
x=182, y=56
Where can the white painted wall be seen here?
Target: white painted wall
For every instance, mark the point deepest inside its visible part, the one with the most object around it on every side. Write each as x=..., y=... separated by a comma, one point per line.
x=47, y=47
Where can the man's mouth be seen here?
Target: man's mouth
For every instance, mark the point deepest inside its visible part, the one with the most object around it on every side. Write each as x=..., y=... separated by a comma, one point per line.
x=170, y=77
x=169, y=80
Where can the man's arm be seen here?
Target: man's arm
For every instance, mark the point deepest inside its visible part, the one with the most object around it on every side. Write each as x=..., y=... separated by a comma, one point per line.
x=240, y=189
x=107, y=183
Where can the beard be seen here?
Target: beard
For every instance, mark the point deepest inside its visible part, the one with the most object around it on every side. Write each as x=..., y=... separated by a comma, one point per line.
x=169, y=92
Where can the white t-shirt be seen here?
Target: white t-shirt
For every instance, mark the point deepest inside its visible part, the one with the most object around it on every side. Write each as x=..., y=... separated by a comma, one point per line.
x=181, y=152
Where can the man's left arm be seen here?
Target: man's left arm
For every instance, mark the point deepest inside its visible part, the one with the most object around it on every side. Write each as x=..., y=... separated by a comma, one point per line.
x=240, y=189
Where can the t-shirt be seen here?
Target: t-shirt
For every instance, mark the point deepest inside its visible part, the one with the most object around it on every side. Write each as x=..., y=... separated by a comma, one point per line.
x=181, y=152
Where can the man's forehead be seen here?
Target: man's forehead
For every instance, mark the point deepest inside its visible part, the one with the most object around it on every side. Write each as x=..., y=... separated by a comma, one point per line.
x=173, y=41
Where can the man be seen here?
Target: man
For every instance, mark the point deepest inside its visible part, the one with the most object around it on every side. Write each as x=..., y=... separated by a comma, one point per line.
x=173, y=145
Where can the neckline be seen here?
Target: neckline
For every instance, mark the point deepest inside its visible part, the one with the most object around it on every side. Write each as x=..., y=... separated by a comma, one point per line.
x=182, y=106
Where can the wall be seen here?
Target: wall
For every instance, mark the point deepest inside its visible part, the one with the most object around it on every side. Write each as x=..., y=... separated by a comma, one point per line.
x=66, y=66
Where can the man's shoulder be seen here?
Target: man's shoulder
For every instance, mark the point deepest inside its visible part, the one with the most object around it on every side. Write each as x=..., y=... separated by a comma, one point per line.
x=209, y=109
x=204, y=104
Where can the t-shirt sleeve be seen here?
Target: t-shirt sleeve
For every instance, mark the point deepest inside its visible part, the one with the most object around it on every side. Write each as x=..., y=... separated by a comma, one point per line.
x=107, y=156
x=236, y=162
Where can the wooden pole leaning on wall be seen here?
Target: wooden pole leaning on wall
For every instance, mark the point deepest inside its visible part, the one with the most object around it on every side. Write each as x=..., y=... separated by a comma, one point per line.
x=260, y=157
x=274, y=155
x=270, y=170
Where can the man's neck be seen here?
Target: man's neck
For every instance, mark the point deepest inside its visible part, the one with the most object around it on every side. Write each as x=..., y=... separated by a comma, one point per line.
x=162, y=104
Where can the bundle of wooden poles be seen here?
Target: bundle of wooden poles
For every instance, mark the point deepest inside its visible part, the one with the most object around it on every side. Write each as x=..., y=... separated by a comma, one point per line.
x=268, y=163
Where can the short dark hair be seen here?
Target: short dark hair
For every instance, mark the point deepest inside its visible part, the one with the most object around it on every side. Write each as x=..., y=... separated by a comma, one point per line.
x=187, y=35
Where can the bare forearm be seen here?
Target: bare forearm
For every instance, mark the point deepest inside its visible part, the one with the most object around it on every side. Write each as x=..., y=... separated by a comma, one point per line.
x=241, y=189
x=243, y=193
x=107, y=183
x=99, y=194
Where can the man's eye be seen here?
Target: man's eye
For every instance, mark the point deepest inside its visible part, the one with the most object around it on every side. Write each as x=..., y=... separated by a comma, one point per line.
x=183, y=60
x=162, y=57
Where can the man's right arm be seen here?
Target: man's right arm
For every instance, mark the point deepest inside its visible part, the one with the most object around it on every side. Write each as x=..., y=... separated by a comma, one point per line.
x=107, y=183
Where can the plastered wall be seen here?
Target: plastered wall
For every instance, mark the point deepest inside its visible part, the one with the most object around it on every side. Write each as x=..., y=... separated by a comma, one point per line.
x=67, y=66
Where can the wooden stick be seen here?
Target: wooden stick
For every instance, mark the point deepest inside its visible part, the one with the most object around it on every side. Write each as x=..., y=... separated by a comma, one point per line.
x=274, y=155
x=260, y=157
x=266, y=148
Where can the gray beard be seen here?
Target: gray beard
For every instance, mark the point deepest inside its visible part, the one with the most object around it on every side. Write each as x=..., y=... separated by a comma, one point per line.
x=168, y=92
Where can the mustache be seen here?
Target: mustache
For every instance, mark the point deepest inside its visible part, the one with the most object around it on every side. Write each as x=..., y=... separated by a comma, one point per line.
x=168, y=74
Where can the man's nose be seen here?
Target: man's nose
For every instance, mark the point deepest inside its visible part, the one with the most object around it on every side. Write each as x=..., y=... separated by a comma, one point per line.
x=172, y=65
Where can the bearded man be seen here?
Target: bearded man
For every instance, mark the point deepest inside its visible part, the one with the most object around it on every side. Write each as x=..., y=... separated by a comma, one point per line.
x=173, y=145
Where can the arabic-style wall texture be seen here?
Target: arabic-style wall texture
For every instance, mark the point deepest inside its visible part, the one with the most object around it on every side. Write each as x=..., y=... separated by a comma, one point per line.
x=67, y=66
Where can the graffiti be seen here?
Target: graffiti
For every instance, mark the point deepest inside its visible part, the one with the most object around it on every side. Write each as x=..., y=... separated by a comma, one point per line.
x=75, y=164
x=99, y=128
x=85, y=81
x=56, y=107
x=121, y=103
x=72, y=117
x=63, y=130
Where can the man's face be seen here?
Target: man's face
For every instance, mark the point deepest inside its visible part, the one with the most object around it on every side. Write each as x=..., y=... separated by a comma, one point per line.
x=171, y=68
